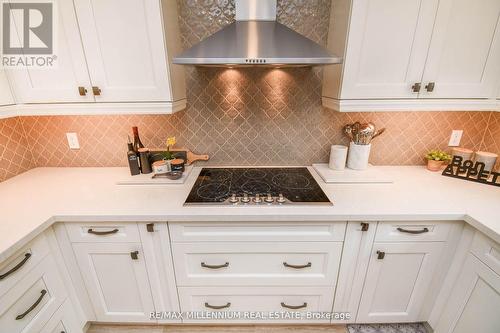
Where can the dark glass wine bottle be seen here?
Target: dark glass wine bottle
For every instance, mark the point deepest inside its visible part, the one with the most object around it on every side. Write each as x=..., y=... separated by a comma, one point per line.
x=137, y=140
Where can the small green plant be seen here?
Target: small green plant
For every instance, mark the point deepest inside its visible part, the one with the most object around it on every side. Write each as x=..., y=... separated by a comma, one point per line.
x=168, y=155
x=438, y=155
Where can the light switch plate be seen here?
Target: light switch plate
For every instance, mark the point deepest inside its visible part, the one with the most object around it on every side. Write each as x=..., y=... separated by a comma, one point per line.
x=73, y=141
x=456, y=136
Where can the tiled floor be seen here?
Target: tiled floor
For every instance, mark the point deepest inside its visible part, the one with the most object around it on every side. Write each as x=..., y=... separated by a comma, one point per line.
x=378, y=328
x=387, y=328
x=218, y=329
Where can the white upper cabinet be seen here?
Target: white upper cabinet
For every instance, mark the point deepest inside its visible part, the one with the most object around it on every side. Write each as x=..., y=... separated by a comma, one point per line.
x=124, y=45
x=110, y=51
x=413, y=55
x=464, y=54
x=59, y=84
x=387, y=45
x=5, y=93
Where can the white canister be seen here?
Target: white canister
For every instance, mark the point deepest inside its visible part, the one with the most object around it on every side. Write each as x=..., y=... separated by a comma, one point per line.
x=358, y=156
x=489, y=159
x=464, y=153
x=160, y=167
x=338, y=157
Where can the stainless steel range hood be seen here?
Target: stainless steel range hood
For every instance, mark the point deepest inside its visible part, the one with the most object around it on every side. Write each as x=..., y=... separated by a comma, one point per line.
x=256, y=39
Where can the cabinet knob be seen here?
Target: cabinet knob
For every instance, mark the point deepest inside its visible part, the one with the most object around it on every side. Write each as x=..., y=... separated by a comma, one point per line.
x=430, y=86
x=82, y=91
x=416, y=87
x=134, y=255
x=380, y=255
x=96, y=91
x=364, y=226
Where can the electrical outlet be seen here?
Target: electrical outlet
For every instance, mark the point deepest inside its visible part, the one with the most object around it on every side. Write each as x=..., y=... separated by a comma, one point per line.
x=73, y=141
x=456, y=136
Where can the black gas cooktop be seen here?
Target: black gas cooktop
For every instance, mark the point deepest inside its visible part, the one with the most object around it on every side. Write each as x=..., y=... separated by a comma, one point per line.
x=256, y=186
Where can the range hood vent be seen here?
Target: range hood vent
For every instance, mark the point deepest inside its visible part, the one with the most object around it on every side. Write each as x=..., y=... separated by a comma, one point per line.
x=256, y=39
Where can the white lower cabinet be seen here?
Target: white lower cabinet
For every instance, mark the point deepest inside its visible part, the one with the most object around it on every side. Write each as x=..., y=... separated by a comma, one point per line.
x=274, y=304
x=28, y=305
x=397, y=280
x=116, y=280
x=257, y=263
x=475, y=301
x=63, y=321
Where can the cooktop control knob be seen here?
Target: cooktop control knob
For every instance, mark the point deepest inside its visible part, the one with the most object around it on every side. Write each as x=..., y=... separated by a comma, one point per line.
x=233, y=198
x=257, y=198
x=245, y=198
x=281, y=199
x=269, y=198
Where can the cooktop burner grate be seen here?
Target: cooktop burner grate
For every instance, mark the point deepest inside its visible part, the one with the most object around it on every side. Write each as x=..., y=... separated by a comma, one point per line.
x=256, y=186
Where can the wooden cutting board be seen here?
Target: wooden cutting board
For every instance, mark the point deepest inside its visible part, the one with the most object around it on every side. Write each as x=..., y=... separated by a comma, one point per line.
x=182, y=153
x=372, y=174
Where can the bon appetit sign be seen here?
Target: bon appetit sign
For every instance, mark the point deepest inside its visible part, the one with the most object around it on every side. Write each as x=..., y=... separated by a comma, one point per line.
x=472, y=171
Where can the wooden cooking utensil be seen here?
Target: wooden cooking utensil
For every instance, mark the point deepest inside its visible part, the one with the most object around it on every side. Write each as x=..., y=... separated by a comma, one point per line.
x=377, y=133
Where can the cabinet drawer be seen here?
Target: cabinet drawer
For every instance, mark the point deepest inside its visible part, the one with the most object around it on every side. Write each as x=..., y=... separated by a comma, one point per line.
x=237, y=300
x=64, y=320
x=257, y=231
x=17, y=266
x=34, y=299
x=426, y=231
x=102, y=232
x=222, y=264
x=487, y=250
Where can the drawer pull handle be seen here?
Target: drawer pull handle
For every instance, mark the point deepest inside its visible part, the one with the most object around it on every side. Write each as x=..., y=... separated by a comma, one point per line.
x=214, y=266
x=217, y=307
x=294, y=307
x=134, y=255
x=297, y=266
x=15, y=268
x=31, y=308
x=102, y=233
x=414, y=232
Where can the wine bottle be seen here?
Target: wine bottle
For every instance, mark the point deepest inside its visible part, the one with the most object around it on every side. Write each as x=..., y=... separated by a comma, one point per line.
x=137, y=140
x=133, y=162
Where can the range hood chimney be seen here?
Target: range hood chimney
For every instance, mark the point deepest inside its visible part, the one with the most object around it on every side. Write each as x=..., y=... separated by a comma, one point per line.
x=256, y=39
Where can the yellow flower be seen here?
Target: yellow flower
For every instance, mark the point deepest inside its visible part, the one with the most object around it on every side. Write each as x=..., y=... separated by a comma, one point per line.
x=171, y=141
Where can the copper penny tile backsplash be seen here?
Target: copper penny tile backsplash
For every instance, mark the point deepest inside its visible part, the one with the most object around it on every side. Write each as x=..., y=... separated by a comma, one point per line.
x=292, y=139
x=242, y=116
x=15, y=153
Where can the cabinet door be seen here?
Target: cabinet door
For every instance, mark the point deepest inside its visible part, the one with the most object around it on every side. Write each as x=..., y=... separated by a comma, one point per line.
x=464, y=56
x=59, y=84
x=397, y=280
x=117, y=284
x=475, y=300
x=124, y=45
x=387, y=46
x=5, y=92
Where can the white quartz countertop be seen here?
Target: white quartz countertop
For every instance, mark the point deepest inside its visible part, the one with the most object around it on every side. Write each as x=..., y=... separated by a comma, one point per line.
x=33, y=201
